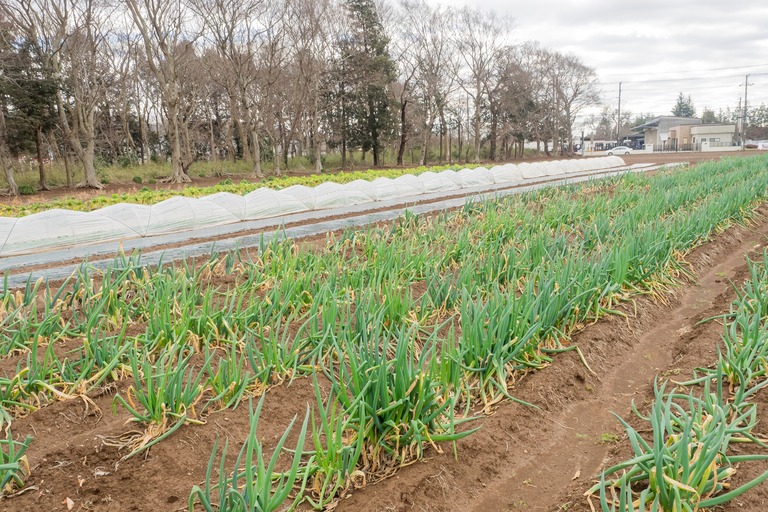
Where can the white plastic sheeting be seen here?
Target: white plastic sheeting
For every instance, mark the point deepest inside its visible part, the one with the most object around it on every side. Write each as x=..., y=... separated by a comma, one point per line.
x=134, y=216
x=303, y=194
x=507, y=173
x=182, y=213
x=56, y=229
x=265, y=202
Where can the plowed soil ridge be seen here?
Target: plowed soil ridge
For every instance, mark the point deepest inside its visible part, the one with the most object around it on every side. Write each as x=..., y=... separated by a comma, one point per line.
x=528, y=459
x=521, y=459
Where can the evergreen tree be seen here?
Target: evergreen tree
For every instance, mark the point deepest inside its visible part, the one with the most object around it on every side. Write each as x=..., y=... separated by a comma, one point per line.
x=684, y=107
x=642, y=118
x=366, y=72
x=708, y=116
x=28, y=95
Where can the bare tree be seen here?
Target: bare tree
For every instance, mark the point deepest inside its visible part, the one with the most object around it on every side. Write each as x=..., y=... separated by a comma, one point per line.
x=72, y=34
x=575, y=87
x=481, y=37
x=309, y=31
x=236, y=28
x=164, y=26
x=429, y=32
x=405, y=26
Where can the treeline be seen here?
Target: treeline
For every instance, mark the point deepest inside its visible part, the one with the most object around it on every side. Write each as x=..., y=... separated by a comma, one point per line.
x=266, y=80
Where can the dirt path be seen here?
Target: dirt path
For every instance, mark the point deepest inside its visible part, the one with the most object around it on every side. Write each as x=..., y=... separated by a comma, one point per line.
x=524, y=459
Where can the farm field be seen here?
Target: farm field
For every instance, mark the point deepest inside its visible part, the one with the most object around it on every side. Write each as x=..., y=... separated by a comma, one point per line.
x=467, y=360
x=144, y=193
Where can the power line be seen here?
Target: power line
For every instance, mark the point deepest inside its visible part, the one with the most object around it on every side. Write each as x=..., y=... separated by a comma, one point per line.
x=697, y=70
x=682, y=79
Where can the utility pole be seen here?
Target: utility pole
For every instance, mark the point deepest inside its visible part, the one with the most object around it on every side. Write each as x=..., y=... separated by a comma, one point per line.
x=618, y=120
x=744, y=119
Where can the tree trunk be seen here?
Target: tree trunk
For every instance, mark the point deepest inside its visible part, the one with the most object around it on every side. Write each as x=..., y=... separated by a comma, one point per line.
x=494, y=133
x=283, y=138
x=187, y=156
x=145, y=151
x=91, y=180
x=242, y=133
x=13, y=188
x=569, y=132
x=459, y=137
x=316, y=140
x=403, y=133
x=229, y=138
x=343, y=151
x=441, y=115
x=73, y=137
x=62, y=153
x=40, y=164
x=65, y=155
x=277, y=159
x=256, y=150
x=174, y=139
x=477, y=124
x=427, y=135
x=212, y=142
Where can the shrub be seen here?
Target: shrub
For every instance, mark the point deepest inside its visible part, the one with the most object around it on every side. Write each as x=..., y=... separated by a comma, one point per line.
x=127, y=159
x=26, y=190
x=137, y=179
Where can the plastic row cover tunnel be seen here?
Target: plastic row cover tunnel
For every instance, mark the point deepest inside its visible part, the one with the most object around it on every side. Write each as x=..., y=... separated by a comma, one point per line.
x=55, y=229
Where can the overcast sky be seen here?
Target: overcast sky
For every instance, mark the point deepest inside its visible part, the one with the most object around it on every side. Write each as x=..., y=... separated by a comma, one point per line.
x=656, y=48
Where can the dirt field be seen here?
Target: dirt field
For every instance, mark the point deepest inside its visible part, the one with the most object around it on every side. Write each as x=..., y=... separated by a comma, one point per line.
x=524, y=459
x=521, y=459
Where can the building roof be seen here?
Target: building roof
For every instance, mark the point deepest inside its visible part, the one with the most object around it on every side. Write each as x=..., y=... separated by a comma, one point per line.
x=716, y=124
x=654, y=123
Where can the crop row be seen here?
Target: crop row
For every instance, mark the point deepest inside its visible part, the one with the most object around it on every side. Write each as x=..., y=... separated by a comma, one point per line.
x=153, y=196
x=688, y=460
x=405, y=330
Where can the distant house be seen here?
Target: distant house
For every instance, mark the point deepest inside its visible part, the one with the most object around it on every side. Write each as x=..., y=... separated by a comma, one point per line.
x=716, y=135
x=667, y=132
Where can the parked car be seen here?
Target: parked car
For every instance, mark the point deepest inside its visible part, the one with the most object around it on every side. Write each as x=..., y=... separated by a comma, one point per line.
x=620, y=150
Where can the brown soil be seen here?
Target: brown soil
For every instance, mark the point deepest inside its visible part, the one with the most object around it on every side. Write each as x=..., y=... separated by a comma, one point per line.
x=544, y=460
x=521, y=459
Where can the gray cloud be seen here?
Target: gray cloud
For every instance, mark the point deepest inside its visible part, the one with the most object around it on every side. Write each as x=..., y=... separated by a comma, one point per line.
x=663, y=47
